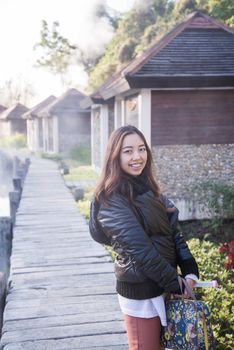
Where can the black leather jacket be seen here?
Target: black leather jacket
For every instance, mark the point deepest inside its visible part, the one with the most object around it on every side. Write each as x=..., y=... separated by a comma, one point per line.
x=146, y=248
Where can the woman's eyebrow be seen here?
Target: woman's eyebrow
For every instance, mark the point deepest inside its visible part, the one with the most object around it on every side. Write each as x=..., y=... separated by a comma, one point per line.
x=127, y=147
x=142, y=145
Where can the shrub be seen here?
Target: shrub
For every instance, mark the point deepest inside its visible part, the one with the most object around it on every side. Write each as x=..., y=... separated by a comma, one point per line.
x=16, y=140
x=218, y=198
x=81, y=173
x=82, y=154
x=52, y=156
x=211, y=265
x=228, y=250
x=84, y=204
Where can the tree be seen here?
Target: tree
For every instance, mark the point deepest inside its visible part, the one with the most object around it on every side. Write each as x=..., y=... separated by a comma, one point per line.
x=222, y=9
x=57, y=53
x=57, y=50
x=14, y=91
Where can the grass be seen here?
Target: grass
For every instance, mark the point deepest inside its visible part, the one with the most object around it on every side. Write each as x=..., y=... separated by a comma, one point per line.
x=82, y=172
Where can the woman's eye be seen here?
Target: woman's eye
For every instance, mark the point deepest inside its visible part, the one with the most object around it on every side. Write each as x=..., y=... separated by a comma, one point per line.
x=128, y=151
x=142, y=149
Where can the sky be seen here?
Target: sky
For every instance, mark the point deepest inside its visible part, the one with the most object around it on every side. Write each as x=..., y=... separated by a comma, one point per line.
x=20, y=25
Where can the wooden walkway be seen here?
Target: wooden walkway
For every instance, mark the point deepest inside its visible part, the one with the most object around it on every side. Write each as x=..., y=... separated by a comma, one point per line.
x=62, y=287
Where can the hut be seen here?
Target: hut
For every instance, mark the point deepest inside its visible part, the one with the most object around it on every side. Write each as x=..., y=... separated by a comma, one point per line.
x=35, y=125
x=66, y=123
x=180, y=93
x=11, y=120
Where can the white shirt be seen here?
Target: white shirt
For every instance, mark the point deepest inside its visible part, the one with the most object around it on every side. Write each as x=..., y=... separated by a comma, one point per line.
x=147, y=308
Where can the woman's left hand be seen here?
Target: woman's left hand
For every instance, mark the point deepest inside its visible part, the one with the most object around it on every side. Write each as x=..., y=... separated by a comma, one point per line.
x=191, y=284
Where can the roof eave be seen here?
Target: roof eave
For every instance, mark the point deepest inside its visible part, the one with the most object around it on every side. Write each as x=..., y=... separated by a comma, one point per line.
x=118, y=87
x=180, y=81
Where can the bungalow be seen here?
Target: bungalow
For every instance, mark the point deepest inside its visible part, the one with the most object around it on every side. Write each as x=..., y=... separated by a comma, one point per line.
x=11, y=120
x=66, y=124
x=35, y=135
x=180, y=93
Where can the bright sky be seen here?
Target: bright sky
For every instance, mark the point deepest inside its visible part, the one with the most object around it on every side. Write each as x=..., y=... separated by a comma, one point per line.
x=20, y=25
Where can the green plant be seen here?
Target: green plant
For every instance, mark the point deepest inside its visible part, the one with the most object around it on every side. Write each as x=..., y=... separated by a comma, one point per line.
x=81, y=173
x=221, y=303
x=82, y=154
x=16, y=140
x=52, y=156
x=84, y=204
x=217, y=198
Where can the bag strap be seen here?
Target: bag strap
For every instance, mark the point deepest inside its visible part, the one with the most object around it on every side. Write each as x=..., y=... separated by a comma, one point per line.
x=190, y=293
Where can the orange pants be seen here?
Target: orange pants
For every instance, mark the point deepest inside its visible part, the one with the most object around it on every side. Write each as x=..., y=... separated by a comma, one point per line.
x=143, y=333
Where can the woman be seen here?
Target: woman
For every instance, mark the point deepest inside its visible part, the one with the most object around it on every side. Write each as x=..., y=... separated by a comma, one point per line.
x=129, y=213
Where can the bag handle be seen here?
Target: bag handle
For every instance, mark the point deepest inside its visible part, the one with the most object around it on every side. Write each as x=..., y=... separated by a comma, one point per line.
x=189, y=290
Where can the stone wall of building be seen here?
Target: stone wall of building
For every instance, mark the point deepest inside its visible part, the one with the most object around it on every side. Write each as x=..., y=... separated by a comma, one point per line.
x=179, y=168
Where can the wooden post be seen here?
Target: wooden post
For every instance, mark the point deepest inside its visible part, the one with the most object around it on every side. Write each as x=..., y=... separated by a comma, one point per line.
x=3, y=289
x=14, y=198
x=16, y=162
x=17, y=185
x=5, y=253
x=27, y=163
x=5, y=242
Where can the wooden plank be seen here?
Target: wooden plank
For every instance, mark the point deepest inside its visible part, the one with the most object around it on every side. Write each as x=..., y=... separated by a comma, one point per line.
x=109, y=341
x=62, y=287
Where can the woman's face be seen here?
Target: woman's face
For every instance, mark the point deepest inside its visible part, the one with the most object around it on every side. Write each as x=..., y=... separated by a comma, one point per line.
x=133, y=155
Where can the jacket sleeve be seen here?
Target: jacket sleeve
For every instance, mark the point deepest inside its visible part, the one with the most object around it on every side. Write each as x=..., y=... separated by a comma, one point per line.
x=186, y=261
x=122, y=227
x=95, y=228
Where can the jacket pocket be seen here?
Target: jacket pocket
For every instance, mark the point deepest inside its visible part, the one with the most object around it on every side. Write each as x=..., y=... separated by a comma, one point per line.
x=126, y=270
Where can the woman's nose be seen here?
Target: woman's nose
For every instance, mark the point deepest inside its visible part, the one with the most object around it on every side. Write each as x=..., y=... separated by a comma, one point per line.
x=135, y=155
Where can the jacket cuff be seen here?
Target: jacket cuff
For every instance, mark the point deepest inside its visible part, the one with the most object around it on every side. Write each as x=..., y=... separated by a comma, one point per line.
x=189, y=266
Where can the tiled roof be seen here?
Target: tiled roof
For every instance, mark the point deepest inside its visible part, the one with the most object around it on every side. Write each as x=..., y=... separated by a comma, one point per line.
x=195, y=51
x=69, y=102
x=36, y=109
x=200, y=48
x=14, y=112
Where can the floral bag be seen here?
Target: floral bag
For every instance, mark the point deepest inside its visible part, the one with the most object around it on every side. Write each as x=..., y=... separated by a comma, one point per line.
x=188, y=324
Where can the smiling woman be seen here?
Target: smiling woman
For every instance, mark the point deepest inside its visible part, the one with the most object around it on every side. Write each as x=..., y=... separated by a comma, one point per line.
x=140, y=224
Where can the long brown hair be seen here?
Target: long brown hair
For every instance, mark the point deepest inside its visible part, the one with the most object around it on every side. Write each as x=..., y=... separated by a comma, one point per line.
x=113, y=179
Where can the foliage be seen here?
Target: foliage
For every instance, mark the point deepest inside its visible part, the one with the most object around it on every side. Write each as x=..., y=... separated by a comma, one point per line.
x=57, y=53
x=16, y=140
x=14, y=91
x=81, y=173
x=84, y=204
x=124, y=45
x=82, y=154
x=218, y=198
x=211, y=265
x=52, y=156
x=222, y=9
x=228, y=250
x=135, y=31
x=57, y=49
x=141, y=27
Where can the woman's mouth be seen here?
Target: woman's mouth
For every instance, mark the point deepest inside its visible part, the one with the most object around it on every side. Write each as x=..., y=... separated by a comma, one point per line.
x=136, y=166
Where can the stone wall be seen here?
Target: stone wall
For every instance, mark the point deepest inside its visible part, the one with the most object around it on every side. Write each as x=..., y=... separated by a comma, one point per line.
x=180, y=167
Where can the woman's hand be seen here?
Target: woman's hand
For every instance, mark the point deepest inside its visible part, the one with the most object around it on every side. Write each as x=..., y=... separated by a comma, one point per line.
x=191, y=284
